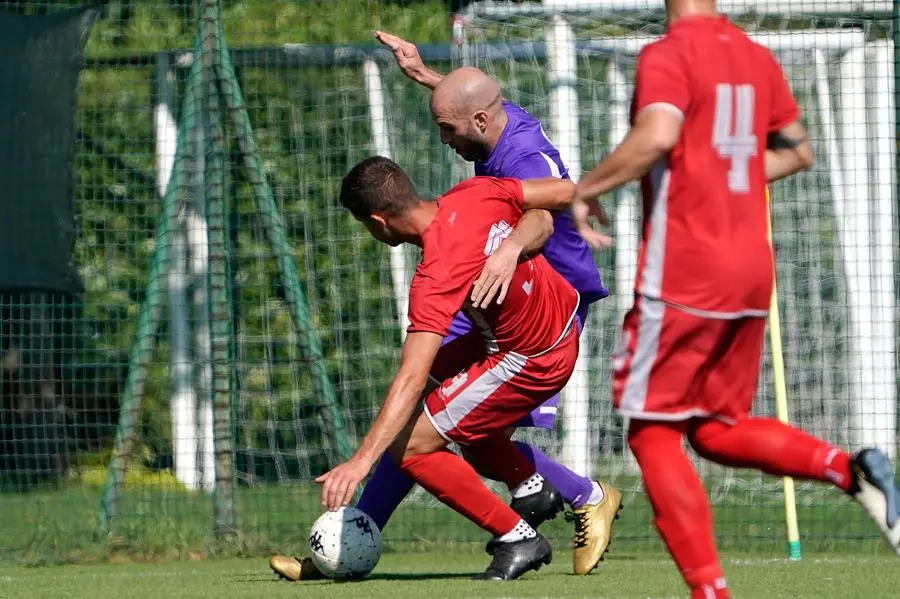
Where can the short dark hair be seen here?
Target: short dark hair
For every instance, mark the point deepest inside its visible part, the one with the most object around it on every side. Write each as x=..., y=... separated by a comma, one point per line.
x=377, y=184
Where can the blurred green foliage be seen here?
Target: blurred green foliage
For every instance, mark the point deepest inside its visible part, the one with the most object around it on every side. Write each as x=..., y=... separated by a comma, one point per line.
x=311, y=125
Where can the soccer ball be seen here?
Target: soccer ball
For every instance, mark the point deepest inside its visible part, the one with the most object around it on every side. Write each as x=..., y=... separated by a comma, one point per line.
x=345, y=544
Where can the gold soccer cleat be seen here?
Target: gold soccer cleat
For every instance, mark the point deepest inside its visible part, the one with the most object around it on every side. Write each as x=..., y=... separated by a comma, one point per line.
x=292, y=568
x=593, y=529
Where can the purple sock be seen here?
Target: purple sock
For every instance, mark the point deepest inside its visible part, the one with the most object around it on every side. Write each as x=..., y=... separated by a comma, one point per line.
x=384, y=491
x=576, y=490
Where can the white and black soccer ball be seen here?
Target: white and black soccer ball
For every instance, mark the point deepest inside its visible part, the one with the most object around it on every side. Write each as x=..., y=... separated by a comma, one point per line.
x=345, y=544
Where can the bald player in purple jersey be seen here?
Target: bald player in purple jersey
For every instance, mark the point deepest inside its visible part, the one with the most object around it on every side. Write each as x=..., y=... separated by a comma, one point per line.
x=503, y=140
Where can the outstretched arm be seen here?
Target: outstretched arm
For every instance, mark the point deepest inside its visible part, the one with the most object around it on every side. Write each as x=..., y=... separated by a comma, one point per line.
x=549, y=193
x=408, y=60
x=419, y=350
x=654, y=134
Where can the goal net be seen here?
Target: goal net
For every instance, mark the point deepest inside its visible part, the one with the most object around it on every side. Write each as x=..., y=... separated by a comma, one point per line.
x=571, y=64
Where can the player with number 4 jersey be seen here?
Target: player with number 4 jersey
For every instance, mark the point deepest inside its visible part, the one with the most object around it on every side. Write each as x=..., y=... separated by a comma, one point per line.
x=706, y=201
x=713, y=121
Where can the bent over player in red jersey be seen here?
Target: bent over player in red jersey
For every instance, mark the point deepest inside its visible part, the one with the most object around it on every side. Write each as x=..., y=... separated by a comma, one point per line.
x=713, y=120
x=519, y=353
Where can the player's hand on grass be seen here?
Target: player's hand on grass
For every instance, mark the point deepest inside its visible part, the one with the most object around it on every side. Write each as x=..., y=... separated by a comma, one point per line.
x=496, y=275
x=581, y=211
x=405, y=52
x=340, y=483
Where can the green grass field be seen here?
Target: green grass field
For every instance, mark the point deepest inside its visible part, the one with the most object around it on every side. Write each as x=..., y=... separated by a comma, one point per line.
x=437, y=575
x=58, y=526
x=163, y=547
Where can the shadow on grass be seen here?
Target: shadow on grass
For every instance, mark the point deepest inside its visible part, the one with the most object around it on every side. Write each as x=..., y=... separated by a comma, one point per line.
x=418, y=576
x=385, y=576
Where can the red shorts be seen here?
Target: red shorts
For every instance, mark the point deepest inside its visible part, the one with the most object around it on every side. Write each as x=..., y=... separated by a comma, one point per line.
x=483, y=394
x=674, y=365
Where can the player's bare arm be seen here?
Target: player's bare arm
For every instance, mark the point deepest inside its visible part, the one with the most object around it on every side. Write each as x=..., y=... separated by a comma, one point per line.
x=549, y=193
x=788, y=151
x=538, y=197
x=408, y=60
x=653, y=135
x=529, y=235
x=419, y=350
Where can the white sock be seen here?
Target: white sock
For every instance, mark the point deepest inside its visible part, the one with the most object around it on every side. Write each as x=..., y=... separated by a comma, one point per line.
x=596, y=494
x=520, y=532
x=528, y=487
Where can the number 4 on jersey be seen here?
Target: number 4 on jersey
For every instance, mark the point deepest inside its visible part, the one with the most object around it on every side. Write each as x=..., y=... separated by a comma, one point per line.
x=733, y=136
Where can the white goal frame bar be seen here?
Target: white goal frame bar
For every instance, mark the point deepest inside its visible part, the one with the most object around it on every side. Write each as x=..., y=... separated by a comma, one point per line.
x=788, y=8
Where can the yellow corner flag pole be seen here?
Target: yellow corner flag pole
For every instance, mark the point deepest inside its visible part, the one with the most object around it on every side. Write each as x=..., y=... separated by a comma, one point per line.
x=781, y=407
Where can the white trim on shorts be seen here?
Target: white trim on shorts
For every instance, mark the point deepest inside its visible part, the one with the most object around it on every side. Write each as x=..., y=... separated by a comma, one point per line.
x=476, y=392
x=713, y=315
x=674, y=416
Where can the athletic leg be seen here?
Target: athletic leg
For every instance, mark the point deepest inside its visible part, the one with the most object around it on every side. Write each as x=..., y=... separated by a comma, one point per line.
x=385, y=491
x=476, y=408
x=577, y=490
x=659, y=367
x=773, y=447
x=595, y=504
x=682, y=513
x=762, y=443
x=516, y=546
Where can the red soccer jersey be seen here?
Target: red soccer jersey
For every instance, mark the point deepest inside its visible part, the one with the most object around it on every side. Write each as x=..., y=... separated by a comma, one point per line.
x=472, y=220
x=704, y=241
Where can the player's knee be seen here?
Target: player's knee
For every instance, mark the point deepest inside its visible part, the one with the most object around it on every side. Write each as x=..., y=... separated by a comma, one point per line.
x=423, y=439
x=420, y=446
x=702, y=435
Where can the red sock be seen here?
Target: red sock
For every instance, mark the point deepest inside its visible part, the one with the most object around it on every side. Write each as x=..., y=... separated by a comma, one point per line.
x=683, y=516
x=450, y=479
x=773, y=447
x=498, y=458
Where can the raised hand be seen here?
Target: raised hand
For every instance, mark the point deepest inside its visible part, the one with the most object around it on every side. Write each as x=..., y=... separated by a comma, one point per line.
x=408, y=59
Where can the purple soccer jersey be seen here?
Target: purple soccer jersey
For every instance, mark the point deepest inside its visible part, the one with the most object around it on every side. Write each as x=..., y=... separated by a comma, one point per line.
x=524, y=152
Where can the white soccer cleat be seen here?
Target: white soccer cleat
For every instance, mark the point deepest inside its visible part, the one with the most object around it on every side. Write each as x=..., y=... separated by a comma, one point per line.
x=875, y=488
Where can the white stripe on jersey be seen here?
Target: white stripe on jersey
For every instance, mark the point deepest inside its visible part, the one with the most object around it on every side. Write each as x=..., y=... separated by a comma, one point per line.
x=651, y=278
x=554, y=169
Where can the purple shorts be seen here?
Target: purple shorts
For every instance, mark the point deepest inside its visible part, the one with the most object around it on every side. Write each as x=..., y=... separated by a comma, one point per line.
x=544, y=416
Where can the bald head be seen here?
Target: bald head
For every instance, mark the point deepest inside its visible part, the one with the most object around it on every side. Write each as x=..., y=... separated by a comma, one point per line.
x=465, y=90
x=467, y=105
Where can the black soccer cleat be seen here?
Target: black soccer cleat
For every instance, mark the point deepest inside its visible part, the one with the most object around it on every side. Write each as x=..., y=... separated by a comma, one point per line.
x=876, y=490
x=539, y=507
x=511, y=560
